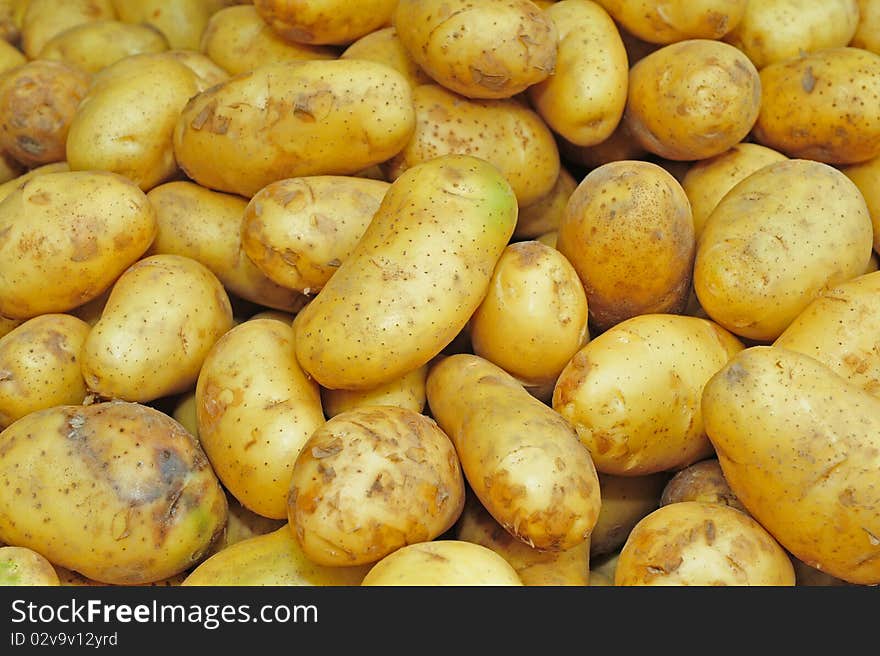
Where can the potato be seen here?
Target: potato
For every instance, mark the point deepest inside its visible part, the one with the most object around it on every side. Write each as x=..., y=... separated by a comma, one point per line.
x=243, y=524
x=866, y=176
x=384, y=46
x=693, y=99
x=415, y=277
x=205, y=225
x=603, y=567
x=440, y=563
x=628, y=232
x=125, y=123
x=239, y=40
x=294, y=119
x=621, y=145
x=70, y=578
x=23, y=566
x=640, y=379
x=273, y=559
x=522, y=459
x=163, y=309
x=298, y=231
x=66, y=237
x=625, y=501
x=775, y=241
x=583, y=100
x=823, y=105
x=10, y=56
x=676, y=20
x=800, y=448
x=182, y=22
x=775, y=30
x=487, y=49
x=867, y=34
x=702, y=544
x=9, y=30
x=208, y=74
x=325, y=22
x=810, y=576
x=38, y=101
x=184, y=413
x=10, y=168
x=534, y=317
x=10, y=185
x=702, y=481
x=8, y=325
x=545, y=214
x=370, y=481
x=549, y=238
x=44, y=19
x=408, y=392
x=256, y=409
x=40, y=365
x=95, y=45
x=116, y=491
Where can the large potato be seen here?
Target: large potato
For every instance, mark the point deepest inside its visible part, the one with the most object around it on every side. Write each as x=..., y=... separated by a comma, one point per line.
x=800, y=448
x=182, y=22
x=116, y=491
x=676, y=20
x=702, y=481
x=867, y=34
x=408, y=391
x=291, y=119
x=775, y=241
x=867, y=178
x=163, y=316
x=95, y=45
x=385, y=47
x=66, y=236
x=628, y=232
x=370, y=481
x=44, y=19
x=415, y=277
x=625, y=501
x=329, y=22
x=26, y=567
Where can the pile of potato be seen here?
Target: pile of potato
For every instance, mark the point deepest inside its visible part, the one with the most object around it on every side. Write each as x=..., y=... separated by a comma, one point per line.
x=440, y=292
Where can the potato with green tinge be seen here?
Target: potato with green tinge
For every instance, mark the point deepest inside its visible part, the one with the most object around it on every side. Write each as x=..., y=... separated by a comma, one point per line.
x=325, y=22
x=23, y=566
x=95, y=45
x=116, y=491
x=702, y=481
x=676, y=20
x=44, y=19
x=625, y=500
x=408, y=391
x=384, y=46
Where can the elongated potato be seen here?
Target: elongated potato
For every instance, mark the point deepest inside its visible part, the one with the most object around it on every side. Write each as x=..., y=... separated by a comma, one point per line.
x=866, y=176
x=676, y=20
x=182, y=22
x=333, y=117
x=702, y=481
x=44, y=19
x=625, y=501
x=521, y=458
x=23, y=566
x=94, y=45
x=384, y=46
x=407, y=391
x=327, y=22
x=116, y=491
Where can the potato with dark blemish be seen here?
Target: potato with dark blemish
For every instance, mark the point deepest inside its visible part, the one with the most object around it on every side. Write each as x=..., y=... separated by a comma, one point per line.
x=676, y=20
x=182, y=22
x=293, y=119
x=408, y=392
x=23, y=566
x=298, y=231
x=545, y=214
x=44, y=19
x=702, y=481
x=117, y=491
x=162, y=318
x=384, y=46
x=800, y=447
x=823, y=105
x=702, y=544
x=66, y=236
x=256, y=408
x=867, y=34
x=95, y=45
x=628, y=232
x=625, y=500
x=40, y=365
x=370, y=481
x=866, y=176
x=441, y=563
x=633, y=393
x=325, y=22
x=775, y=241
x=522, y=459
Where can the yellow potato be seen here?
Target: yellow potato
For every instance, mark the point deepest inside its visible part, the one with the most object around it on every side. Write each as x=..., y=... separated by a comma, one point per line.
x=44, y=19
x=239, y=40
x=295, y=118
x=640, y=379
x=545, y=214
x=867, y=34
x=26, y=567
x=810, y=576
x=336, y=22
x=182, y=22
x=208, y=74
x=866, y=176
x=692, y=99
x=9, y=31
x=184, y=413
x=10, y=56
x=583, y=100
x=256, y=409
x=408, y=392
x=370, y=481
x=415, y=277
x=628, y=232
x=8, y=325
x=40, y=365
x=702, y=481
x=702, y=544
x=442, y=562
x=71, y=578
x=97, y=44
x=775, y=241
x=549, y=238
x=621, y=145
x=522, y=459
x=10, y=185
x=384, y=46
x=10, y=168
x=800, y=448
x=677, y=20
x=67, y=237
x=164, y=309
x=243, y=524
x=275, y=315
x=298, y=231
x=824, y=105
x=116, y=491
x=625, y=501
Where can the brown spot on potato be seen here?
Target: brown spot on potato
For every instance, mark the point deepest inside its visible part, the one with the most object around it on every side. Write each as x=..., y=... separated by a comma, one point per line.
x=808, y=81
x=328, y=449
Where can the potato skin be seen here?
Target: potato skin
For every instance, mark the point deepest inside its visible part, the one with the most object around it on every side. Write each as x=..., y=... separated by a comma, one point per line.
x=867, y=34
x=130, y=495
x=370, y=481
x=94, y=45
x=182, y=22
x=695, y=543
x=44, y=19
x=23, y=566
x=384, y=46
x=702, y=481
x=676, y=20
x=866, y=177
x=625, y=501
x=799, y=446
x=408, y=392
x=325, y=22
x=545, y=214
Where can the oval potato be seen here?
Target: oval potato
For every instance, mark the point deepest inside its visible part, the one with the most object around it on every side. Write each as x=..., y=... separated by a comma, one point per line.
x=676, y=20
x=408, y=392
x=94, y=45
x=702, y=481
x=384, y=46
x=44, y=19
x=325, y=22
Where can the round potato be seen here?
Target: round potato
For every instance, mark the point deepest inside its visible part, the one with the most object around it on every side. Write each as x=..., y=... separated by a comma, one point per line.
x=95, y=45
x=370, y=481
x=545, y=214
x=625, y=501
x=44, y=19
x=867, y=34
x=23, y=566
x=408, y=392
x=867, y=178
x=182, y=22
x=676, y=20
x=325, y=22
x=702, y=481
x=385, y=47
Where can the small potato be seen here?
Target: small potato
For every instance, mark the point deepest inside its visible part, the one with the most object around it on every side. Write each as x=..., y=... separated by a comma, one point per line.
x=298, y=231
x=442, y=562
x=640, y=379
x=66, y=237
x=370, y=481
x=867, y=34
x=702, y=544
x=866, y=176
x=8, y=325
x=692, y=99
x=10, y=185
x=23, y=566
x=625, y=501
x=44, y=19
x=676, y=20
x=182, y=22
x=823, y=105
x=163, y=309
x=385, y=47
x=702, y=481
x=40, y=365
x=325, y=22
x=239, y=40
x=545, y=214
x=95, y=45
x=184, y=413
x=38, y=102
x=243, y=524
x=775, y=241
x=118, y=492
x=487, y=49
x=628, y=232
x=10, y=57
x=621, y=145
x=407, y=392
x=775, y=30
